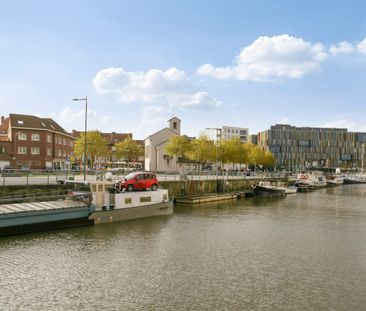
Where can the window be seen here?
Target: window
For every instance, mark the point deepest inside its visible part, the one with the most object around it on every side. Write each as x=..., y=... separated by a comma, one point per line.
x=145, y=199
x=22, y=150
x=59, y=152
x=20, y=122
x=128, y=200
x=63, y=153
x=174, y=125
x=22, y=136
x=2, y=150
x=64, y=141
x=71, y=143
x=49, y=151
x=35, y=137
x=49, y=138
x=35, y=150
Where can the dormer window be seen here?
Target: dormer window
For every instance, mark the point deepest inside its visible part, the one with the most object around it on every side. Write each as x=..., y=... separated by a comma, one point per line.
x=20, y=122
x=175, y=125
x=44, y=125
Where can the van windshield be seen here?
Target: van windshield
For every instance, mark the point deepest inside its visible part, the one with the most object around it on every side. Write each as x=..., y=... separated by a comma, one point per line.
x=130, y=176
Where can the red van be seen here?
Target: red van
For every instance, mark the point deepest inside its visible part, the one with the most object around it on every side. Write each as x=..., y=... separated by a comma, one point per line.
x=139, y=181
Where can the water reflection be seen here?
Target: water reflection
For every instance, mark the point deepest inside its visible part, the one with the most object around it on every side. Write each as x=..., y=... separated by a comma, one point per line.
x=303, y=252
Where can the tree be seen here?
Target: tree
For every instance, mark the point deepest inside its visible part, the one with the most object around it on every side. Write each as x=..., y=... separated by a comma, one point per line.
x=129, y=150
x=231, y=151
x=96, y=145
x=179, y=146
x=202, y=150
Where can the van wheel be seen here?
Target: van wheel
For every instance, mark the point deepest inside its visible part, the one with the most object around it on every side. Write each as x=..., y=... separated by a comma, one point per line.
x=129, y=188
x=154, y=187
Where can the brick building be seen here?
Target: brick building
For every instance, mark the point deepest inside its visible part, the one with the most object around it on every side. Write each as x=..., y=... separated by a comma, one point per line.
x=37, y=143
x=112, y=139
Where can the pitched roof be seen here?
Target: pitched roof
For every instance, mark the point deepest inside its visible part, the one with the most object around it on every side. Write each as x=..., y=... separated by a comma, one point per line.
x=112, y=138
x=33, y=122
x=165, y=128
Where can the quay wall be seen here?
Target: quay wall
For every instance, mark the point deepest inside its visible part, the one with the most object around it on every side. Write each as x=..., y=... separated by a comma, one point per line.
x=179, y=188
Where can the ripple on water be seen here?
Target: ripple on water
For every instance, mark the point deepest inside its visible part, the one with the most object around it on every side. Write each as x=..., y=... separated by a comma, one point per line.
x=305, y=252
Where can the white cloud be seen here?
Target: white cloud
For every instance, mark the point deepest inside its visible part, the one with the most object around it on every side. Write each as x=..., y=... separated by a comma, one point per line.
x=70, y=116
x=269, y=58
x=361, y=47
x=170, y=87
x=343, y=47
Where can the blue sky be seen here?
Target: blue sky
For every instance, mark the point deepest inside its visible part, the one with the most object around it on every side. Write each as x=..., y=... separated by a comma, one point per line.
x=210, y=63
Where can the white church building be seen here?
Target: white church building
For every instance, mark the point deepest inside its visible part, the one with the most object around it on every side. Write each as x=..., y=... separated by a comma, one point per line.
x=156, y=159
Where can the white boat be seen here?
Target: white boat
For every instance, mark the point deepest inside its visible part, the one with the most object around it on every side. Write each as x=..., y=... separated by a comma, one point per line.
x=112, y=207
x=335, y=181
x=304, y=183
x=319, y=182
x=308, y=181
x=290, y=190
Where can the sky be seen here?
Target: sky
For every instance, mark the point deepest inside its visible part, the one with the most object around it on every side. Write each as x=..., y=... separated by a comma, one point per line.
x=210, y=63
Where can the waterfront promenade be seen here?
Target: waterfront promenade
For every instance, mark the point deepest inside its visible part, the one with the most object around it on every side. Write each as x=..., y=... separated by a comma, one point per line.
x=53, y=179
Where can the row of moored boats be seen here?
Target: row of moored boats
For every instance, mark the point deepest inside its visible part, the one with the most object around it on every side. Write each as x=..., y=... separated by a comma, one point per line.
x=305, y=182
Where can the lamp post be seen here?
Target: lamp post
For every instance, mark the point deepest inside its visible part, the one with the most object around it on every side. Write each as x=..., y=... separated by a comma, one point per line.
x=218, y=136
x=85, y=128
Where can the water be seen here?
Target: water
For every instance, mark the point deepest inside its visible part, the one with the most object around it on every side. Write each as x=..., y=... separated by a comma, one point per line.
x=304, y=252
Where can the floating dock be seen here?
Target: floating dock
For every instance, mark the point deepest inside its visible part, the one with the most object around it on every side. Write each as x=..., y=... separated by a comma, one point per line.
x=19, y=218
x=208, y=198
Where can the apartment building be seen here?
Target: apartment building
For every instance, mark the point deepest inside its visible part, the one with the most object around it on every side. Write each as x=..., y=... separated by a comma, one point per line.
x=306, y=147
x=227, y=132
x=33, y=142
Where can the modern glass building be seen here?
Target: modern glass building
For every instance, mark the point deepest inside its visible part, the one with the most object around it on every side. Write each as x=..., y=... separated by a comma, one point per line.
x=313, y=147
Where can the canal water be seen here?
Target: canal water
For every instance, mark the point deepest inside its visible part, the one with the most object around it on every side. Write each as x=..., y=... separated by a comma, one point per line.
x=303, y=252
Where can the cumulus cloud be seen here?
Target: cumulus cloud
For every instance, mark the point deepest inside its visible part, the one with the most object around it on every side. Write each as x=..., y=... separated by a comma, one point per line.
x=270, y=58
x=361, y=47
x=170, y=87
x=343, y=47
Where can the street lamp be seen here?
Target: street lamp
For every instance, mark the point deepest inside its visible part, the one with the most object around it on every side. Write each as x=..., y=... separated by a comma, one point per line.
x=85, y=128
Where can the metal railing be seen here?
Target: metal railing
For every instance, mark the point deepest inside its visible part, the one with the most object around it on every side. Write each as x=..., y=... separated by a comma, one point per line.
x=39, y=177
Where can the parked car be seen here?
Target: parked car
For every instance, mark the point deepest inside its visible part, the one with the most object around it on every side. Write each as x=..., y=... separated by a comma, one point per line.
x=139, y=181
x=8, y=169
x=25, y=169
x=48, y=169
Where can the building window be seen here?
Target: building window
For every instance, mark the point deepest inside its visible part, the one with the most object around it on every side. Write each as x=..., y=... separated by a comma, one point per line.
x=49, y=151
x=35, y=150
x=22, y=150
x=71, y=143
x=49, y=138
x=64, y=141
x=35, y=137
x=63, y=153
x=175, y=125
x=59, y=152
x=22, y=136
x=2, y=150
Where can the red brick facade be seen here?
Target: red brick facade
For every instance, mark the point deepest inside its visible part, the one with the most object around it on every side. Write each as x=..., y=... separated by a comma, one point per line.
x=35, y=142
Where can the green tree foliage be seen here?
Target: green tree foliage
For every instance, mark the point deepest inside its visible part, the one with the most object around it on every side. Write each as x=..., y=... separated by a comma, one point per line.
x=96, y=145
x=129, y=150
